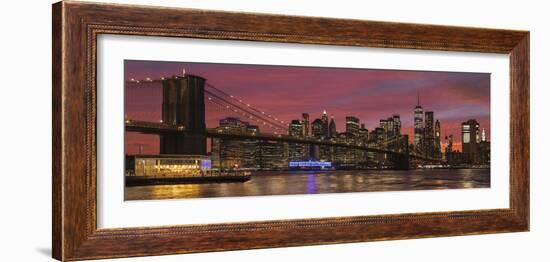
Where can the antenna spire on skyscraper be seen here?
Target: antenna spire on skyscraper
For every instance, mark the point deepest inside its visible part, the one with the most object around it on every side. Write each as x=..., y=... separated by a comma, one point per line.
x=417, y=98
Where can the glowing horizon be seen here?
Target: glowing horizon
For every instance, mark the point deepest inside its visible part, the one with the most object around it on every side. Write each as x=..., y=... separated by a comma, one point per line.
x=288, y=91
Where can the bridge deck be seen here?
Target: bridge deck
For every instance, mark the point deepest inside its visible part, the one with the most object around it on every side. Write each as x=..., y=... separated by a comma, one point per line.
x=161, y=128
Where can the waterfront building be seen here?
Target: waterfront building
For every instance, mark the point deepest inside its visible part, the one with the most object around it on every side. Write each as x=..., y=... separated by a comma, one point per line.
x=326, y=153
x=305, y=125
x=332, y=128
x=314, y=152
x=317, y=128
x=252, y=129
x=352, y=125
x=363, y=135
x=470, y=141
x=400, y=142
x=377, y=136
x=384, y=125
x=297, y=151
x=485, y=153
x=273, y=155
x=403, y=144
x=478, y=134
x=232, y=125
x=484, y=149
x=448, y=147
x=167, y=166
x=250, y=149
x=396, y=125
x=324, y=127
x=390, y=127
x=323, y=153
x=418, y=126
x=226, y=154
x=429, y=134
x=437, y=138
x=347, y=158
x=233, y=153
x=388, y=135
x=452, y=156
x=455, y=158
x=295, y=128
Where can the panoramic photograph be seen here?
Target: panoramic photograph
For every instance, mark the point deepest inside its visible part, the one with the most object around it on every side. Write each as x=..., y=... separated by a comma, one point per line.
x=201, y=130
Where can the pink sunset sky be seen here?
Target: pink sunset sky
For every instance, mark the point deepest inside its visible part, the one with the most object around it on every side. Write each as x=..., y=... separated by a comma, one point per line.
x=287, y=91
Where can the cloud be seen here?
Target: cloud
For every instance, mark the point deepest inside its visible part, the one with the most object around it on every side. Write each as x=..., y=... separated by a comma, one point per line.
x=287, y=91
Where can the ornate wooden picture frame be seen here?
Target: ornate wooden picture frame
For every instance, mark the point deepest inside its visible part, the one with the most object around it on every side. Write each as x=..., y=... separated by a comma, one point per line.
x=76, y=26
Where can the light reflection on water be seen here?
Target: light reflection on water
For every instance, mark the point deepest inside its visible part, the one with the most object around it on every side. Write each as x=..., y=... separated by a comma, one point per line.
x=318, y=182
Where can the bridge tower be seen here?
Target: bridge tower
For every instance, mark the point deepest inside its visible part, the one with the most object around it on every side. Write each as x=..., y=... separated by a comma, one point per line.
x=183, y=105
x=402, y=161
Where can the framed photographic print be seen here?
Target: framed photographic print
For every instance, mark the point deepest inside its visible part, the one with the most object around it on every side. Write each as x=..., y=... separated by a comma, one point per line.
x=181, y=130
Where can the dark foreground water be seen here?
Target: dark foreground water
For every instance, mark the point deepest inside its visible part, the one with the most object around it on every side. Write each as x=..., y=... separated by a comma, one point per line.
x=318, y=182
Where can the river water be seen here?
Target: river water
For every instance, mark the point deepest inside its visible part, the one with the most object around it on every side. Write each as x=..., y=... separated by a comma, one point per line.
x=319, y=182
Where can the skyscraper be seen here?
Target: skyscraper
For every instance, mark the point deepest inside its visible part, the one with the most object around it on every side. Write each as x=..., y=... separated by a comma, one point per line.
x=251, y=148
x=478, y=134
x=470, y=140
x=385, y=126
x=295, y=128
x=396, y=125
x=324, y=121
x=363, y=134
x=377, y=135
x=274, y=155
x=390, y=126
x=352, y=125
x=332, y=128
x=418, y=125
x=484, y=149
x=317, y=128
x=227, y=153
x=296, y=151
x=449, y=147
x=305, y=124
x=437, y=139
x=429, y=134
x=449, y=152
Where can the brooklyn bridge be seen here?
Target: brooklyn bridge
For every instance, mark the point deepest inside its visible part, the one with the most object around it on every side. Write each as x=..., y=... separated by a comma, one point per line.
x=182, y=129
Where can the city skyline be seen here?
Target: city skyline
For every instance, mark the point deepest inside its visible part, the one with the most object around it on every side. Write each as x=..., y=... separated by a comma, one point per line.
x=368, y=94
